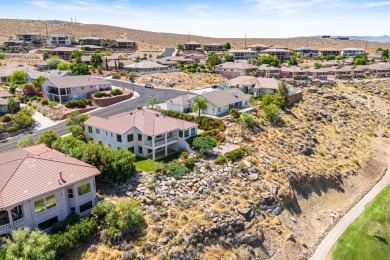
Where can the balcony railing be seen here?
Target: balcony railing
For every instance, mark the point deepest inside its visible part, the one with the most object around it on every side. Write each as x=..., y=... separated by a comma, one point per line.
x=19, y=222
x=5, y=228
x=161, y=142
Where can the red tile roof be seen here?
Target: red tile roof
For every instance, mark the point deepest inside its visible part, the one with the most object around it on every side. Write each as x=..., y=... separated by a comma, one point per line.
x=148, y=121
x=27, y=173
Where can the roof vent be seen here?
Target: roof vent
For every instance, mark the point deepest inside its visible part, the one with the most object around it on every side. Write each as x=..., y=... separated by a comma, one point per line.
x=234, y=94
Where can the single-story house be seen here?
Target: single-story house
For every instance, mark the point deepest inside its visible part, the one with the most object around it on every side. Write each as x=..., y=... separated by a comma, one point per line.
x=213, y=47
x=192, y=46
x=293, y=72
x=144, y=132
x=245, y=54
x=221, y=101
x=42, y=65
x=352, y=51
x=254, y=85
x=307, y=51
x=235, y=69
x=279, y=47
x=91, y=40
x=62, y=52
x=41, y=186
x=145, y=66
x=282, y=54
x=328, y=51
x=33, y=74
x=124, y=44
x=63, y=89
x=31, y=37
x=15, y=43
x=268, y=71
x=258, y=47
x=7, y=70
x=180, y=103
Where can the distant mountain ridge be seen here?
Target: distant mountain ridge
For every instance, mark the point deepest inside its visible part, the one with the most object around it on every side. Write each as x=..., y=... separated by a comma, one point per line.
x=379, y=39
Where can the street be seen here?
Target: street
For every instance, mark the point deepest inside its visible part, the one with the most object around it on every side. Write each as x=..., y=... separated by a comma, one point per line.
x=146, y=94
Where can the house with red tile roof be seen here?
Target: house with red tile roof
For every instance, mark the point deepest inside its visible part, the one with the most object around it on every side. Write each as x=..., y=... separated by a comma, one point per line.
x=268, y=71
x=145, y=132
x=293, y=72
x=254, y=85
x=192, y=46
x=244, y=54
x=40, y=186
x=235, y=69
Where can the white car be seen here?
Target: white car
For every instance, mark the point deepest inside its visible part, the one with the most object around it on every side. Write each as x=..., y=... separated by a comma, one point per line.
x=147, y=85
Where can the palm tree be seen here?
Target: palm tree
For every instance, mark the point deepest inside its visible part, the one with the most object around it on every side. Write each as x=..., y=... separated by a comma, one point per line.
x=199, y=104
x=180, y=47
x=11, y=103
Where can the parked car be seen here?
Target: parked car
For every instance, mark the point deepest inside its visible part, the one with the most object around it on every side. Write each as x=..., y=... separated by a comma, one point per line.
x=147, y=85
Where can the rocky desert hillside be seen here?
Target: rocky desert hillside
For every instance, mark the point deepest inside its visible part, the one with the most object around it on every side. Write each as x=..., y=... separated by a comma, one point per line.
x=296, y=180
x=152, y=40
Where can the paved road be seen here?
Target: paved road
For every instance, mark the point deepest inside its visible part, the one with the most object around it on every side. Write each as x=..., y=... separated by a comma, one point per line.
x=326, y=245
x=167, y=52
x=162, y=95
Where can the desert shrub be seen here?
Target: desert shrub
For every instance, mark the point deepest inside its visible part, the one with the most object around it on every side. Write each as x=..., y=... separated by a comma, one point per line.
x=48, y=138
x=70, y=104
x=74, y=236
x=11, y=129
x=234, y=113
x=183, y=155
x=116, y=92
x=61, y=226
x=6, y=119
x=86, y=101
x=189, y=163
x=26, y=141
x=22, y=119
x=12, y=89
x=82, y=103
x=116, y=76
x=221, y=160
x=44, y=101
x=176, y=170
x=215, y=134
x=273, y=113
x=204, y=144
x=235, y=155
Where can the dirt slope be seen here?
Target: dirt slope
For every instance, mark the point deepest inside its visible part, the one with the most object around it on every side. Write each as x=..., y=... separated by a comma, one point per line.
x=153, y=40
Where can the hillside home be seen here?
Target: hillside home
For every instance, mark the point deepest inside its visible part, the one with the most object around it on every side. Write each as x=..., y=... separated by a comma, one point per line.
x=14, y=43
x=254, y=85
x=7, y=69
x=293, y=72
x=307, y=51
x=60, y=40
x=124, y=44
x=235, y=69
x=91, y=40
x=243, y=54
x=258, y=47
x=34, y=74
x=41, y=186
x=352, y=51
x=376, y=57
x=282, y=54
x=320, y=73
x=268, y=71
x=213, y=47
x=346, y=72
x=145, y=66
x=379, y=70
x=181, y=103
x=31, y=37
x=328, y=51
x=220, y=102
x=192, y=46
x=144, y=132
x=63, y=89
x=279, y=47
x=62, y=52
x=330, y=63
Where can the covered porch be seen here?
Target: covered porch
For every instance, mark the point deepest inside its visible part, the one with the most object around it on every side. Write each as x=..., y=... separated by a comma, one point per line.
x=161, y=154
x=11, y=219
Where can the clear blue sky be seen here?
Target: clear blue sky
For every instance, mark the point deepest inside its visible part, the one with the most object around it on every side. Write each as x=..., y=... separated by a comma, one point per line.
x=256, y=18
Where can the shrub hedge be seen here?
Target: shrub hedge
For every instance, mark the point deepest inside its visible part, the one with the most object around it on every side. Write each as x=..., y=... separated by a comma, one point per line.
x=6, y=119
x=101, y=94
x=82, y=103
x=11, y=129
x=235, y=155
x=116, y=92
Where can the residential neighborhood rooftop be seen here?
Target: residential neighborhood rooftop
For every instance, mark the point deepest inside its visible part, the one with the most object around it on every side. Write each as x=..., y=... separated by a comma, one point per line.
x=76, y=81
x=224, y=97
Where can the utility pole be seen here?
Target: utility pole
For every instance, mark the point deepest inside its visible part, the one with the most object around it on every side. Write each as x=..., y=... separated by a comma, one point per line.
x=245, y=42
x=189, y=33
x=47, y=32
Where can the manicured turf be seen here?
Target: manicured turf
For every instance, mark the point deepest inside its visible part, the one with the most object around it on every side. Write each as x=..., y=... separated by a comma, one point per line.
x=147, y=165
x=369, y=236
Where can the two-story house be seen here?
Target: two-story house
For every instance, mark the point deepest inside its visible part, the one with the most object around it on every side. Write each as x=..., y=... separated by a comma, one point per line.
x=282, y=54
x=235, y=69
x=91, y=40
x=146, y=133
x=352, y=51
x=60, y=40
x=245, y=54
x=41, y=186
x=124, y=44
x=307, y=51
x=62, y=89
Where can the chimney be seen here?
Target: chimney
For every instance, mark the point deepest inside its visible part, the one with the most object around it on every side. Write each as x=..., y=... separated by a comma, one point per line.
x=234, y=93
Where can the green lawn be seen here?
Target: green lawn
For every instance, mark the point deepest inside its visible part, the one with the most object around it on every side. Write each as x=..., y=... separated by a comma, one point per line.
x=369, y=236
x=147, y=165
x=53, y=103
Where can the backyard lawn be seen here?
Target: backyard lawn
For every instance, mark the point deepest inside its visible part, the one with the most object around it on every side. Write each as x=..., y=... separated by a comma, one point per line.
x=147, y=165
x=369, y=236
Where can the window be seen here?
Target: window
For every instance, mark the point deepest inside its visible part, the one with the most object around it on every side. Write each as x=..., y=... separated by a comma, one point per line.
x=192, y=131
x=109, y=145
x=180, y=133
x=86, y=206
x=111, y=134
x=44, y=204
x=100, y=142
x=139, y=137
x=48, y=223
x=70, y=193
x=219, y=109
x=90, y=129
x=72, y=210
x=213, y=110
x=82, y=88
x=119, y=138
x=106, y=133
x=131, y=149
x=139, y=149
x=187, y=133
x=84, y=189
x=97, y=130
x=130, y=138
